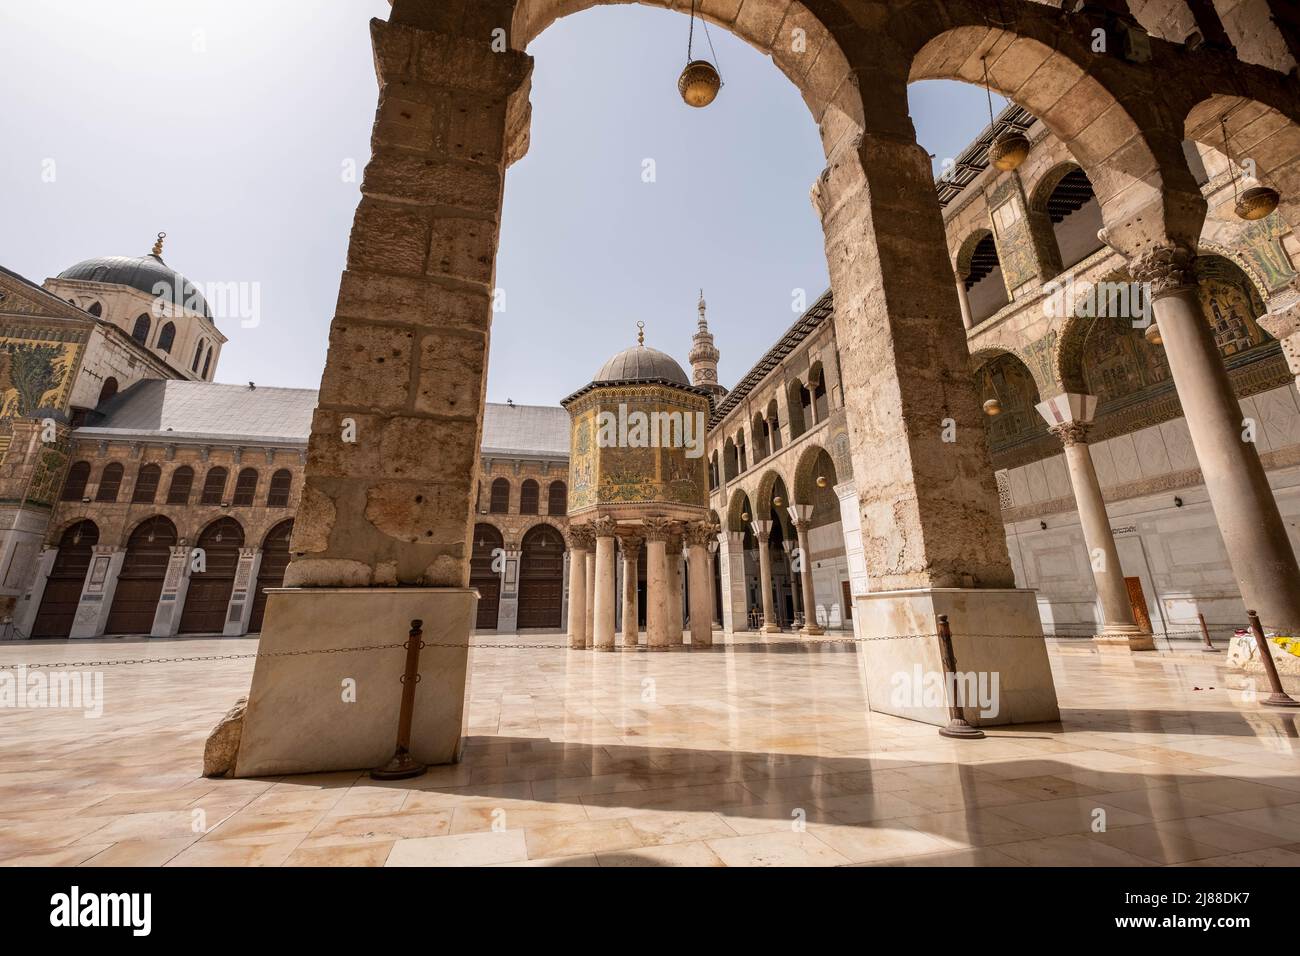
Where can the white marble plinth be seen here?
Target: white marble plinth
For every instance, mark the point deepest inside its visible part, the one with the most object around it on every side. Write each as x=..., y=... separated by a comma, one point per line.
x=898, y=672
x=300, y=718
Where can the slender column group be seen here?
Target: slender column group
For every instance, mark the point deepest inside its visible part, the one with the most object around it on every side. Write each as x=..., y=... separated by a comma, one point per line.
x=761, y=531
x=631, y=611
x=801, y=515
x=581, y=541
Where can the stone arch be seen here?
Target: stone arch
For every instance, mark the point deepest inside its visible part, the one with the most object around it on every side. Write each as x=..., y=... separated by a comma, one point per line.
x=767, y=487
x=1004, y=376
x=1051, y=72
x=818, y=67
x=1258, y=132
x=739, y=506
x=806, y=473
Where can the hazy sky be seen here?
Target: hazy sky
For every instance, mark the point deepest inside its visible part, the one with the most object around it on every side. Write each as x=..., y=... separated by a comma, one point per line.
x=229, y=124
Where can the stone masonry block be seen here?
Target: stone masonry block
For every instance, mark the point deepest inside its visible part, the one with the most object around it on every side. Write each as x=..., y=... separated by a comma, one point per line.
x=369, y=366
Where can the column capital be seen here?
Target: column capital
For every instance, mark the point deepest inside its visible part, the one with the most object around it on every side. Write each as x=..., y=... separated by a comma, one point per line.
x=700, y=533
x=1165, y=269
x=1071, y=433
x=630, y=543
x=657, y=528
x=761, y=528
x=604, y=527
x=1068, y=407
x=799, y=513
x=581, y=537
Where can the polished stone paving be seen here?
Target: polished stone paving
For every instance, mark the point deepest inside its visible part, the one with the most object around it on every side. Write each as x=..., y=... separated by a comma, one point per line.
x=760, y=753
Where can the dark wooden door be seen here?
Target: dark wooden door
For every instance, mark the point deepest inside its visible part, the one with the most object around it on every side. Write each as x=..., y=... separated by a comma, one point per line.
x=541, y=578
x=66, y=581
x=140, y=582
x=484, y=574
x=1136, y=597
x=270, y=574
x=208, y=596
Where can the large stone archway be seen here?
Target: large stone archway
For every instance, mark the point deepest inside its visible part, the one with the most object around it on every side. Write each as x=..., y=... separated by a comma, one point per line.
x=382, y=535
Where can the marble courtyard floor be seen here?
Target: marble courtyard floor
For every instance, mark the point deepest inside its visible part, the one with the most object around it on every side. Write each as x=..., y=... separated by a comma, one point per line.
x=761, y=753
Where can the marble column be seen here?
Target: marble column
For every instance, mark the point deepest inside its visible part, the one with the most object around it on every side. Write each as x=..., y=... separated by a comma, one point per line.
x=589, y=581
x=657, y=532
x=761, y=531
x=97, y=592
x=963, y=302
x=676, y=626
x=802, y=517
x=1068, y=417
x=631, y=554
x=603, y=614
x=1259, y=549
x=791, y=550
x=698, y=537
x=579, y=542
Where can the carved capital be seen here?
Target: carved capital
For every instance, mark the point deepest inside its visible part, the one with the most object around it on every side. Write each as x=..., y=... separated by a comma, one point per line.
x=1071, y=433
x=700, y=533
x=582, y=537
x=657, y=528
x=631, y=545
x=604, y=527
x=1165, y=269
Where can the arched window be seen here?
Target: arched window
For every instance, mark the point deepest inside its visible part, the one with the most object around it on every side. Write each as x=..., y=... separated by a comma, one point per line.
x=985, y=289
x=198, y=355
x=774, y=425
x=96, y=310
x=529, y=493
x=141, y=331
x=740, y=450
x=281, y=486
x=730, y=463
x=214, y=486
x=108, y=390
x=110, y=483
x=207, y=363
x=182, y=481
x=820, y=405
x=558, y=498
x=74, y=488
x=167, y=337
x=713, y=471
x=246, y=488
x=794, y=405
x=759, y=429
x=500, y=502
x=147, y=480
x=1076, y=217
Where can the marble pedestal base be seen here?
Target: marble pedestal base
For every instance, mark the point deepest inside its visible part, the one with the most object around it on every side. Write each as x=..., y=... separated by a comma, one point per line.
x=1122, y=640
x=902, y=676
x=301, y=717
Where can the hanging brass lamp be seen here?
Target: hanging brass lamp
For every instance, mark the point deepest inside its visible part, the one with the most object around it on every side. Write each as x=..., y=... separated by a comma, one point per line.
x=992, y=406
x=1257, y=201
x=1008, y=150
x=821, y=481
x=700, y=81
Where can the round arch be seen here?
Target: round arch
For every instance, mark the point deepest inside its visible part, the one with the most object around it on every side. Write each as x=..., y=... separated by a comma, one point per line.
x=270, y=571
x=208, y=596
x=768, y=486
x=67, y=579
x=541, y=576
x=738, y=507
x=140, y=580
x=815, y=462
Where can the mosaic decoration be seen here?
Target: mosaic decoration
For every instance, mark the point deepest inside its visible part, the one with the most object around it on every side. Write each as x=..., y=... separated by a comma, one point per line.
x=35, y=374
x=1260, y=243
x=1012, y=234
x=1007, y=379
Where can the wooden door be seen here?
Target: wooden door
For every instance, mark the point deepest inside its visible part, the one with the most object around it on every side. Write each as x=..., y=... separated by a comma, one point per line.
x=847, y=605
x=483, y=575
x=208, y=596
x=541, y=578
x=140, y=582
x=1141, y=614
x=270, y=574
x=66, y=581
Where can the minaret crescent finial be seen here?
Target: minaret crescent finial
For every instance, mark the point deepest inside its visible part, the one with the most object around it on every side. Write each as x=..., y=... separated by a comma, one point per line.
x=640, y=333
x=158, y=246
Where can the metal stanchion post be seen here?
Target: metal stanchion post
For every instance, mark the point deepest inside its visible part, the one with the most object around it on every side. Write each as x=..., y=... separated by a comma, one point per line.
x=403, y=766
x=1209, y=647
x=1279, y=697
x=957, y=726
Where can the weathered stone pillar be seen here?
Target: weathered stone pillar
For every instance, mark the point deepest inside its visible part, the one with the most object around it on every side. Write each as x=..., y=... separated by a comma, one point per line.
x=1259, y=549
x=658, y=603
x=761, y=531
x=580, y=540
x=383, y=530
x=731, y=577
x=30, y=604
x=698, y=537
x=91, y=619
x=1068, y=417
x=176, y=584
x=508, y=604
x=631, y=552
x=603, y=617
x=854, y=553
x=802, y=515
x=930, y=516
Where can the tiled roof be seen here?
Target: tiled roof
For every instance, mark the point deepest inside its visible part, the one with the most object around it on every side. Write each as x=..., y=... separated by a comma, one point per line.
x=207, y=410
x=518, y=431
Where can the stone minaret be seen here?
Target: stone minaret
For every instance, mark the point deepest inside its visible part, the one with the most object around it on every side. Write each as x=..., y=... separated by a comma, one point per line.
x=704, y=356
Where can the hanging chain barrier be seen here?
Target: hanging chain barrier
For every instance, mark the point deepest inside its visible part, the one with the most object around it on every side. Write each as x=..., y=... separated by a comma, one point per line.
x=1190, y=635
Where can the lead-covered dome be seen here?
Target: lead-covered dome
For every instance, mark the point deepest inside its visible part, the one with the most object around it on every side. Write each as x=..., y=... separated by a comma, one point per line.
x=641, y=363
x=148, y=274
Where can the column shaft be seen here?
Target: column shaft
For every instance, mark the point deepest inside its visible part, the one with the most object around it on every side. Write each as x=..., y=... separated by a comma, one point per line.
x=631, y=610
x=676, y=629
x=603, y=629
x=589, y=584
x=811, y=625
x=701, y=596
x=577, y=598
x=657, y=602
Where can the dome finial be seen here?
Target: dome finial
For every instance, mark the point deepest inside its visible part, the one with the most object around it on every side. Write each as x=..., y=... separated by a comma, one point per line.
x=640, y=333
x=158, y=246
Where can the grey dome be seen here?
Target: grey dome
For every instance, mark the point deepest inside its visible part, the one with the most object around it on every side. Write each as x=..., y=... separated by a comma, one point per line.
x=640, y=364
x=149, y=274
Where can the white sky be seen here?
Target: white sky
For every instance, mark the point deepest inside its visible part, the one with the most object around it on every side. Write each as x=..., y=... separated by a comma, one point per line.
x=228, y=123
